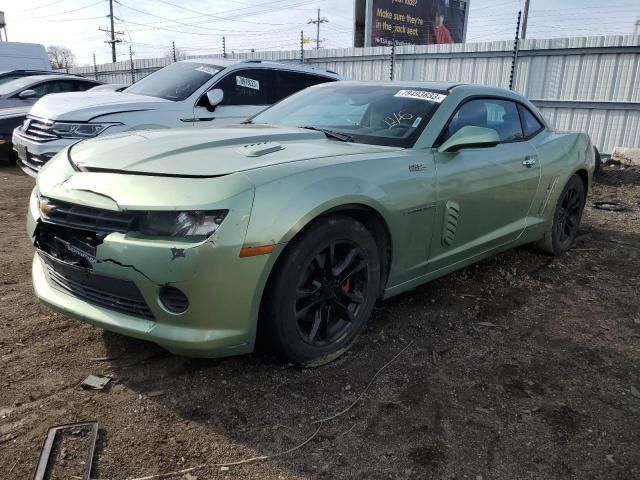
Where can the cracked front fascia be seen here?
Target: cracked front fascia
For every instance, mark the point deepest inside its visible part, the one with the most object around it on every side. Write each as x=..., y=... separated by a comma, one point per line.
x=155, y=258
x=151, y=257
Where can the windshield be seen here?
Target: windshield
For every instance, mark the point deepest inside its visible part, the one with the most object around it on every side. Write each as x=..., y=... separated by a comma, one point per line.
x=8, y=77
x=14, y=84
x=175, y=82
x=374, y=114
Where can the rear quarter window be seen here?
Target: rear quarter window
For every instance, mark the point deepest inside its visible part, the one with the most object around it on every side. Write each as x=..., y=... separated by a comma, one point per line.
x=530, y=124
x=287, y=83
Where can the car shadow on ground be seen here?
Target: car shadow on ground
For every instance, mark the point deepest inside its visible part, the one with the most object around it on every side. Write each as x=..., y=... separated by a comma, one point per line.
x=514, y=365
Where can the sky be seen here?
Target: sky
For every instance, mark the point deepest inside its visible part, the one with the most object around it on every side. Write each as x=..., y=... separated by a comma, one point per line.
x=197, y=26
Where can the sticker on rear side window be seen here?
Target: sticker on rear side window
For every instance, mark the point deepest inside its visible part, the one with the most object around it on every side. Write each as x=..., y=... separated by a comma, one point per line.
x=207, y=70
x=422, y=95
x=247, y=83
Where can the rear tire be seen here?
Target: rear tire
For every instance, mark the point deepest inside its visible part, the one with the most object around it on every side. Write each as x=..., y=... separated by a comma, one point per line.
x=565, y=223
x=598, y=168
x=322, y=291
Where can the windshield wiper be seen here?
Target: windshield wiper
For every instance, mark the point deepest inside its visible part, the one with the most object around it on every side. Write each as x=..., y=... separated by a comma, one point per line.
x=343, y=137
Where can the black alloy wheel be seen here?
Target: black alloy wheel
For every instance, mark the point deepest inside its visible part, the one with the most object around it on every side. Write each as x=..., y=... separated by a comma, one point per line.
x=331, y=292
x=322, y=291
x=568, y=216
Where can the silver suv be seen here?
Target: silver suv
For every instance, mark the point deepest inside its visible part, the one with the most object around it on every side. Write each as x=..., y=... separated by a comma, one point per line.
x=189, y=93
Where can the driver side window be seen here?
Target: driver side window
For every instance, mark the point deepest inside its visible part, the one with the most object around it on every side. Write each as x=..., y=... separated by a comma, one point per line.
x=59, y=86
x=499, y=115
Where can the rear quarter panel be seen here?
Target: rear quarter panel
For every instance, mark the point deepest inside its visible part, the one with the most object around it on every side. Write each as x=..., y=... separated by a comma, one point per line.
x=561, y=155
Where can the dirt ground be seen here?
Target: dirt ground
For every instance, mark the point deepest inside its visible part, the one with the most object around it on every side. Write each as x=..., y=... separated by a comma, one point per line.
x=521, y=367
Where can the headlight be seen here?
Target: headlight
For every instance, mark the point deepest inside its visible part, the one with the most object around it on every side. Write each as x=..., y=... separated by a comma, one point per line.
x=181, y=224
x=79, y=130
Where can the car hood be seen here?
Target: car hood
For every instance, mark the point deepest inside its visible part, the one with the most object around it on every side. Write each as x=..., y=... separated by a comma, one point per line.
x=85, y=106
x=208, y=152
x=14, y=112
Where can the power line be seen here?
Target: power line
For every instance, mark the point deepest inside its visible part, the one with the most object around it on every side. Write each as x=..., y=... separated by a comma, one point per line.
x=41, y=6
x=66, y=11
x=124, y=24
x=218, y=17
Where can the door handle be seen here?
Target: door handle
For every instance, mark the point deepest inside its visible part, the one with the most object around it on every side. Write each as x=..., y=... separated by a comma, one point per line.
x=530, y=161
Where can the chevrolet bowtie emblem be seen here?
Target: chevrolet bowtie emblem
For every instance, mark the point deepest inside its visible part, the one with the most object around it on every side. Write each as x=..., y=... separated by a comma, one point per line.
x=45, y=207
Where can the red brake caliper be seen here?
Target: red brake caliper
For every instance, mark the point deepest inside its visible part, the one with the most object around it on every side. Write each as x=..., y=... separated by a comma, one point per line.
x=346, y=285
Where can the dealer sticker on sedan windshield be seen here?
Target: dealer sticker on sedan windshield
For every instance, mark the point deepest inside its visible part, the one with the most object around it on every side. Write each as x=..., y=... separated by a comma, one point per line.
x=247, y=83
x=422, y=95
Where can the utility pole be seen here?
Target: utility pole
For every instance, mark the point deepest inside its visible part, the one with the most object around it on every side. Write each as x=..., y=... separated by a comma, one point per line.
x=302, y=47
x=173, y=49
x=3, y=27
x=112, y=33
x=637, y=29
x=133, y=72
x=224, y=48
x=516, y=47
x=525, y=19
x=317, y=23
x=95, y=67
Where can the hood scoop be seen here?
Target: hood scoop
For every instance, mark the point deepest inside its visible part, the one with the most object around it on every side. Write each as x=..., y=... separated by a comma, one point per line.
x=259, y=149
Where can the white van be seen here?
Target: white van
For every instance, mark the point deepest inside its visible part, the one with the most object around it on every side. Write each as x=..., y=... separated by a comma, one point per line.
x=185, y=94
x=23, y=56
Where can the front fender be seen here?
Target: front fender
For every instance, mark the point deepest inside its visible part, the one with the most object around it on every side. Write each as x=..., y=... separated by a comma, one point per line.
x=280, y=211
x=286, y=204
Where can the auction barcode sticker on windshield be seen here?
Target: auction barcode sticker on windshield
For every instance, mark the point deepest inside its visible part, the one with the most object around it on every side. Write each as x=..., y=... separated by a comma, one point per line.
x=247, y=82
x=422, y=95
x=207, y=70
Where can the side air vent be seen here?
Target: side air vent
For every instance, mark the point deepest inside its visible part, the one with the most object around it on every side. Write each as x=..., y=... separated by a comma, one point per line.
x=451, y=216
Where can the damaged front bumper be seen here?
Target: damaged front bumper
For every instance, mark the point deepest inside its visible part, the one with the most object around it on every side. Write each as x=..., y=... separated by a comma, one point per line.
x=121, y=288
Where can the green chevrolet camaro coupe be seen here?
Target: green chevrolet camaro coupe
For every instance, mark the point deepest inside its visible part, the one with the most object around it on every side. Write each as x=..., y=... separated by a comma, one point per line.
x=290, y=227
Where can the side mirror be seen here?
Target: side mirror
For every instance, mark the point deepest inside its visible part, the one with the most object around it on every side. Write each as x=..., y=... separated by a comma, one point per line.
x=27, y=94
x=215, y=97
x=470, y=137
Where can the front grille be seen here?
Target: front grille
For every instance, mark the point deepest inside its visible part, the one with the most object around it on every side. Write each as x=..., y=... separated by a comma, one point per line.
x=120, y=295
x=85, y=218
x=33, y=163
x=39, y=130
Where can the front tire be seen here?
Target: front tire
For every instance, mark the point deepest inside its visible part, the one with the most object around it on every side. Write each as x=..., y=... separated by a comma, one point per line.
x=323, y=291
x=565, y=223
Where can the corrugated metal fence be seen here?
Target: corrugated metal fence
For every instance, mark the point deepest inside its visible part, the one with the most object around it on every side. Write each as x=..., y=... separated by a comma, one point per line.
x=587, y=84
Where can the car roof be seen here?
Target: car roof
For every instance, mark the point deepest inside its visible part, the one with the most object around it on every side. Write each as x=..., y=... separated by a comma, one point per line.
x=31, y=72
x=38, y=78
x=220, y=62
x=403, y=84
x=239, y=63
x=465, y=89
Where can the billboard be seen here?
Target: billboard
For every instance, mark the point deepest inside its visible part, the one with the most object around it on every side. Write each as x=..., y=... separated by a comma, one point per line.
x=412, y=22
